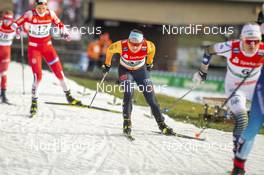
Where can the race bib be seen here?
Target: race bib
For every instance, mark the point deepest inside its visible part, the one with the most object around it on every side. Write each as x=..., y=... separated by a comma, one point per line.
x=39, y=30
x=6, y=38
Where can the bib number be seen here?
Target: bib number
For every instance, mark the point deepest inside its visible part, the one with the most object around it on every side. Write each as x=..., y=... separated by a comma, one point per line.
x=3, y=36
x=39, y=30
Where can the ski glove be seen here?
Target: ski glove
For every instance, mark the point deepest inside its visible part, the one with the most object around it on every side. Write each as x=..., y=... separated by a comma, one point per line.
x=66, y=36
x=199, y=77
x=149, y=67
x=18, y=32
x=106, y=68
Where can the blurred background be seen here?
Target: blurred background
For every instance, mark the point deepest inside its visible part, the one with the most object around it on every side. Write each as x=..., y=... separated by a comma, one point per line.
x=177, y=56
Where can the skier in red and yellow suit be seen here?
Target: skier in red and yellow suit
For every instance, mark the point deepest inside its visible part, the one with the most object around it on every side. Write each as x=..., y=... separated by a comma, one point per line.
x=136, y=58
x=6, y=38
x=39, y=21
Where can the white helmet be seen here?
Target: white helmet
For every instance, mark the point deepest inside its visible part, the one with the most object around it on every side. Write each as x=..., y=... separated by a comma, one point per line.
x=251, y=30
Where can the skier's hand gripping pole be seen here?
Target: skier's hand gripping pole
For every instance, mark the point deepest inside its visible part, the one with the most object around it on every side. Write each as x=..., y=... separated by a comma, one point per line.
x=104, y=76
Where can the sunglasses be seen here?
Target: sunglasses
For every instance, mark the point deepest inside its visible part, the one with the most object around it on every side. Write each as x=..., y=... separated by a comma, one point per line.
x=248, y=41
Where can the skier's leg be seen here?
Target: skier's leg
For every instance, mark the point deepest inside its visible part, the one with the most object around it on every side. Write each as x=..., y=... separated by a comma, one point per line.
x=3, y=80
x=128, y=95
x=3, y=87
x=145, y=85
x=237, y=105
x=35, y=61
x=142, y=79
x=52, y=59
x=5, y=54
x=126, y=81
x=3, y=74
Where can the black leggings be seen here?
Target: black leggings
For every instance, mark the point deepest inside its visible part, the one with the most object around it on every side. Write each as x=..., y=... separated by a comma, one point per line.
x=142, y=79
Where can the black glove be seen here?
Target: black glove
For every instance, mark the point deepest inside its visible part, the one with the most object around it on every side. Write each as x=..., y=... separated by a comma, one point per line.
x=106, y=68
x=202, y=74
x=149, y=67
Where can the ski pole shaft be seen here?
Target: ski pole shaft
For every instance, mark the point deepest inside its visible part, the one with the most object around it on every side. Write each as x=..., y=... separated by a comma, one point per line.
x=22, y=63
x=189, y=91
x=97, y=89
x=184, y=95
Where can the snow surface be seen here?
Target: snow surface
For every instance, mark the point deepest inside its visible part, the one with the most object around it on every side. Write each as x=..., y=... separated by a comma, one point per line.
x=74, y=141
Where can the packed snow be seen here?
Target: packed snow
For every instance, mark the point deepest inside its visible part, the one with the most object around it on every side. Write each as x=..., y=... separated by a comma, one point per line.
x=64, y=140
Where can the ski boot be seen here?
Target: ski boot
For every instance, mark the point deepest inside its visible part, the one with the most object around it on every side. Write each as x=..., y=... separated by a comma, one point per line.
x=33, y=108
x=3, y=96
x=165, y=129
x=238, y=167
x=127, y=126
x=72, y=100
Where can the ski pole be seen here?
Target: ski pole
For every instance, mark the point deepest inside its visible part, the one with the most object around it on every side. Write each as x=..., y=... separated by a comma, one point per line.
x=22, y=63
x=165, y=110
x=97, y=89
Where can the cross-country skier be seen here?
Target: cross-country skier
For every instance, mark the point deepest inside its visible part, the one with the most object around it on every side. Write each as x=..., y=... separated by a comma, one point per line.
x=136, y=59
x=39, y=21
x=242, y=56
x=6, y=37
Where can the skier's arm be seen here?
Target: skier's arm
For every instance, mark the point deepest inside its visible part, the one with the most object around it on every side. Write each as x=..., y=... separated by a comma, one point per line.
x=151, y=52
x=56, y=21
x=22, y=20
x=223, y=49
x=208, y=52
x=111, y=50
